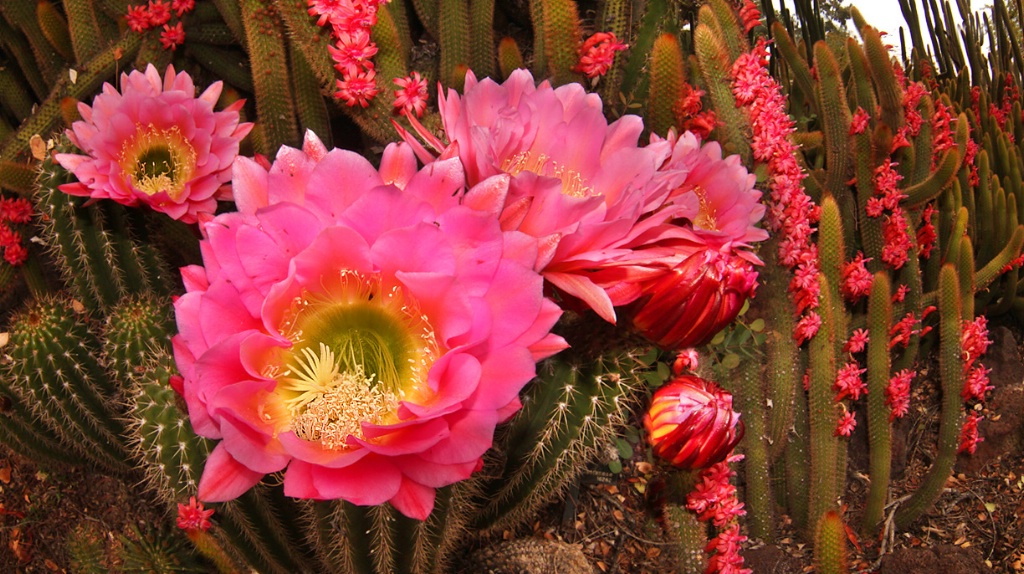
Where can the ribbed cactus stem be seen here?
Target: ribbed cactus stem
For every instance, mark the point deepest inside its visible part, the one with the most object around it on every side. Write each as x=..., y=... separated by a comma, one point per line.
x=87, y=38
x=688, y=536
x=951, y=416
x=268, y=57
x=890, y=95
x=715, y=65
x=879, y=425
x=453, y=23
x=615, y=18
x=18, y=49
x=561, y=30
x=136, y=328
x=824, y=414
x=830, y=553
x=510, y=57
x=666, y=83
x=965, y=273
x=798, y=463
x=481, y=37
x=835, y=123
x=309, y=101
x=14, y=96
x=783, y=373
x=655, y=11
x=727, y=25
x=798, y=67
x=750, y=401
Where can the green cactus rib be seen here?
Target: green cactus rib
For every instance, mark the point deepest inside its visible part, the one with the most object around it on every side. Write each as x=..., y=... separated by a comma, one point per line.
x=830, y=553
x=782, y=373
x=231, y=12
x=454, y=42
x=14, y=95
x=268, y=57
x=566, y=411
x=712, y=58
x=427, y=11
x=510, y=57
x=726, y=24
x=688, y=537
x=87, y=38
x=666, y=83
x=54, y=27
x=136, y=328
x=832, y=253
x=561, y=30
x=889, y=93
x=835, y=124
x=54, y=366
x=17, y=47
x=910, y=275
x=965, y=273
x=879, y=425
x=824, y=443
x=636, y=61
x=951, y=417
x=17, y=177
x=259, y=527
x=797, y=64
x=863, y=90
x=798, y=463
x=228, y=64
x=984, y=276
x=750, y=401
x=214, y=33
x=309, y=102
x=616, y=20
x=952, y=252
x=481, y=37
x=90, y=77
x=27, y=434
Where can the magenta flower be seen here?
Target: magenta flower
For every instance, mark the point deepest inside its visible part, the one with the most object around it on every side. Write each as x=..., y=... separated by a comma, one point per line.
x=156, y=143
x=690, y=423
x=193, y=516
x=357, y=329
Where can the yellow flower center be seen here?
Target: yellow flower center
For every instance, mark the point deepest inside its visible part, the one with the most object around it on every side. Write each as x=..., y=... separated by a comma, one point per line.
x=707, y=215
x=158, y=160
x=357, y=350
x=573, y=183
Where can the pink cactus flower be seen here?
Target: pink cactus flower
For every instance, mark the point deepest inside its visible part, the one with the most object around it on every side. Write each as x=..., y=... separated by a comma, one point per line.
x=193, y=516
x=690, y=423
x=172, y=36
x=597, y=54
x=897, y=394
x=411, y=95
x=969, y=436
x=155, y=143
x=357, y=329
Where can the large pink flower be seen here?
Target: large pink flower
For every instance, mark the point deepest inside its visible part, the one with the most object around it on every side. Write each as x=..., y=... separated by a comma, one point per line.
x=578, y=184
x=155, y=143
x=359, y=329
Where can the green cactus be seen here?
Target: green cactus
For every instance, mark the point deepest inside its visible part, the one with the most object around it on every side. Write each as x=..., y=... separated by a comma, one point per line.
x=830, y=552
x=667, y=78
x=879, y=419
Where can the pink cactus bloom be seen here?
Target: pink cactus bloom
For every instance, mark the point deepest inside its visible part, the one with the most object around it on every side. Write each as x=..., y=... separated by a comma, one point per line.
x=357, y=329
x=193, y=516
x=155, y=143
x=690, y=423
x=577, y=184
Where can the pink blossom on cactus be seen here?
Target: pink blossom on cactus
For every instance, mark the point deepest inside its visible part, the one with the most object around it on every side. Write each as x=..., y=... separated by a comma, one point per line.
x=193, y=516
x=859, y=122
x=969, y=437
x=849, y=383
x=155, y=143
x=714, y=496
x=974, y=340
x=357, y=89
x=750, y=16
x=159, y=13
x=847, y=422
x=15, y=210
x=926, y=235
x=897, y=393
x=353, y=51
x=856, y=280
x=16, y=254
x=182, y=7
x=690, y=423
x=900, y=333
x=687, y=360
x=172, y=36
x=138, y=18
x=807, y=327
x=357, y=329
x=726, y=547
x=597, y=54
x=976, y=383
x=900, y=294
x=411, y=95
x=857, y=342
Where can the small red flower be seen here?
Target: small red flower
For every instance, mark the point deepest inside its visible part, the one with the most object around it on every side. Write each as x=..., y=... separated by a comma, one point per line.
x=598, y=53
x=159, y=13
x=857, y=341
x=193, y=516
x=969, y=438
x=172, y=36
x=411, y=95
x=15, y=254
x=859, y=122
x=182, y=6
x=358, y=89
x=691, y=424
x=847, y=422
x=897, y=394
x=138, y=18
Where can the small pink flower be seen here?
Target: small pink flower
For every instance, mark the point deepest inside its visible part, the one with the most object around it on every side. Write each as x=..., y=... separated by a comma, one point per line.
x=172, y=36
x=182, y=7
x=159, y=13
x=358, y=89
x=138, y=18
x=976, y=383
x=849, y=383
x=16, y=254
x=750, y=16
x=859, y=122
x=900, y=333
x=18, y=210
x=597, y=54
x=411, y=95
x=193, y=516
x=857, y=342
x=807, y=327
x=686, y=360
x=897, y=394
x=690, y=423
x=900, y=294
x=856, y=279
x=847, y=422
x=974, y=340
x=155, y=143
x=969, y=437
x=353, y=51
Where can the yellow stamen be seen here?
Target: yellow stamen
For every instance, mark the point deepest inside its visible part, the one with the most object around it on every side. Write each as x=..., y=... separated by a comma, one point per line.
x=573, y=183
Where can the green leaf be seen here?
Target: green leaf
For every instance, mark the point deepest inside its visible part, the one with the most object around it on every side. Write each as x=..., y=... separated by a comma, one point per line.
x=731, y=361
x=757, y=325
x=624, y=448
x=615, y=466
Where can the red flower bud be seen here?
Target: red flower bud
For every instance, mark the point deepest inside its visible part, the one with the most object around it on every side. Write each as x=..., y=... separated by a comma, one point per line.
x=691, y=424
x=687, y=305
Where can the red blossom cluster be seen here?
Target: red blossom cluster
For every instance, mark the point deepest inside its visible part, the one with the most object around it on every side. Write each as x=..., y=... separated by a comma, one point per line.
x=856, y=279
x=974, y=342
x=353, y=49
x=750, y=16
x=791, y=212
x=897, y=394
x=714, y=499
x=597, y=54
x=886, y=202
x=1002, y=113
x=193, y=517
x=144, y=17
x=690, y=114
x=859, y=122
x=17, y=211
x=926, y=235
